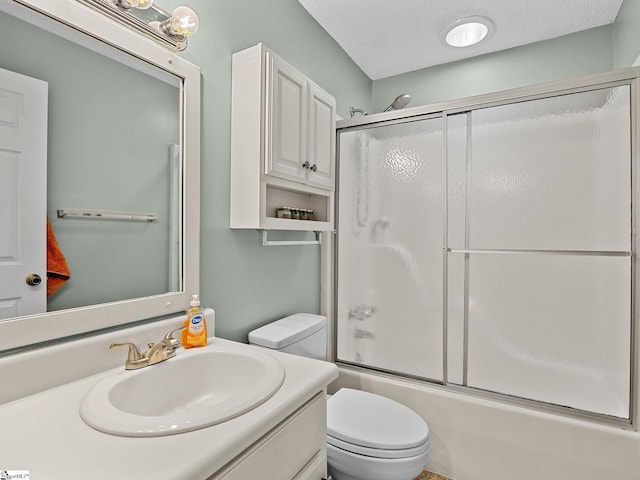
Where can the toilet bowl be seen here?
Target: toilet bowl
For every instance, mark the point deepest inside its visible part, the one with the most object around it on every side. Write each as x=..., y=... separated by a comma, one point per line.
x=369, y=437
x=374, y=438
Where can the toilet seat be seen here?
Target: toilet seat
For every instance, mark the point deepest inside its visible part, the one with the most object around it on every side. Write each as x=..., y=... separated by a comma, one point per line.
x=379, y=452
x=368, y=424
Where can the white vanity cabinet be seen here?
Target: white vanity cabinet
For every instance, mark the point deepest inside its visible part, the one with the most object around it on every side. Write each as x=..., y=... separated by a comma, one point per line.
x=284, y=438
x=282, y=144
x=295, y=449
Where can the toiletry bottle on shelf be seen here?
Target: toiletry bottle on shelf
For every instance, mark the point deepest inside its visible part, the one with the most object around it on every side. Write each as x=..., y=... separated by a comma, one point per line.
x=195, y=333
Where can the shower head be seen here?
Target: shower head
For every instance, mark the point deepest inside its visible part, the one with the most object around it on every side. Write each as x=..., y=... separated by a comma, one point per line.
x=401, y=101
x=353, y=111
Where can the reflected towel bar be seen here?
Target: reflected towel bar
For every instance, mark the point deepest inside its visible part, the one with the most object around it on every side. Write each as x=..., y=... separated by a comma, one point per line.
x=107, y=215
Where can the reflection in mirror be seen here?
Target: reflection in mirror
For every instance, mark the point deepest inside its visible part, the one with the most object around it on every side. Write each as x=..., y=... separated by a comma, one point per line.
x=107, y=129
x=112, y=132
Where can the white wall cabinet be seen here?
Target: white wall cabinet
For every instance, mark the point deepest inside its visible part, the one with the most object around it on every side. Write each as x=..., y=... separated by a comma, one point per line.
x=322, y=138
x=282, y=144
x=295, y=449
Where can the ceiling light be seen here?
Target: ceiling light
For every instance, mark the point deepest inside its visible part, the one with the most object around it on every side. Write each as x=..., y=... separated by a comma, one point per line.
x=468, y=31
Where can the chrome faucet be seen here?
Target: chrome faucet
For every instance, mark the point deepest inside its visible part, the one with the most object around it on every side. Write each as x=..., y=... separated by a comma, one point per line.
x=155, y=353
x=362, y=312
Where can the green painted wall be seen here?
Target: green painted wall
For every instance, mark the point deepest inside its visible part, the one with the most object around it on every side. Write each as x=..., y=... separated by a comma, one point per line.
x=246, y=283
x=627, y=34
x=569, y=56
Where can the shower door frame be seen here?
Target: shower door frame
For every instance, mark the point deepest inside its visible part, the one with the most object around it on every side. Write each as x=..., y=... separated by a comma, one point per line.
x=622, y=77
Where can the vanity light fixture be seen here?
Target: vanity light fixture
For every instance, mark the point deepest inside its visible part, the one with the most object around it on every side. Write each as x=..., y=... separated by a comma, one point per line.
x=147, y=18
x=469, y=31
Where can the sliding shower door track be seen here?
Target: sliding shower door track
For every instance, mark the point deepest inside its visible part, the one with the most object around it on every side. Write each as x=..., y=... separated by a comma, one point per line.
x=511, y=400
x=507, y=251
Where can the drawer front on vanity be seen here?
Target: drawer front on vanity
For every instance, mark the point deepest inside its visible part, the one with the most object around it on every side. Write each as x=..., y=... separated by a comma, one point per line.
x=288, y=451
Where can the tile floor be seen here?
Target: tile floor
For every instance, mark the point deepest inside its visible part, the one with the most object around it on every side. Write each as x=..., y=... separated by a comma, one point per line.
x=431, y=476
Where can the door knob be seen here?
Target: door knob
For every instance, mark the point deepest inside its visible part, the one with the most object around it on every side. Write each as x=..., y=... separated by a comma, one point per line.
x=314, y=168
x=306, y=165
x=33, y=280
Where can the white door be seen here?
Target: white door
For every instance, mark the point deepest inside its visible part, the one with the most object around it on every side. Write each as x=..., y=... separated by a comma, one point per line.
x=322, y=138
x=23, y=183
x=287, y=122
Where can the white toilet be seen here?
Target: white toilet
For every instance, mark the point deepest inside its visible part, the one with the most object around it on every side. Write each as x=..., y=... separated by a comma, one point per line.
x=369, y=437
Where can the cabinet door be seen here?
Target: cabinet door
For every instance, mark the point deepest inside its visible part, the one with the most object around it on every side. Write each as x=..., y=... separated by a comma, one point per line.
x=322, y=138
x=288, y=451
x=316, y=469
x=286, y=129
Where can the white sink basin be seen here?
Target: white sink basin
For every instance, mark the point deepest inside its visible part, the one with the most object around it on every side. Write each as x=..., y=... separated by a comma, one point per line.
x=195, y=389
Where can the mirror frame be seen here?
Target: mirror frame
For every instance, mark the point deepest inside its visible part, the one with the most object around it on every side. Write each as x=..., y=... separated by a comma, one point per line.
x=22, y=332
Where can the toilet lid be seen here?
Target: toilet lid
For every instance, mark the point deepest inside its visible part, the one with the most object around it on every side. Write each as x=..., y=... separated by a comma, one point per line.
x=288, y=330
x=373, y=421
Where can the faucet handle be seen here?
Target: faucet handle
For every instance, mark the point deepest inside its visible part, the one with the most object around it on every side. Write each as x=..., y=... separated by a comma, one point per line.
x=134, y=357
x=170, y=340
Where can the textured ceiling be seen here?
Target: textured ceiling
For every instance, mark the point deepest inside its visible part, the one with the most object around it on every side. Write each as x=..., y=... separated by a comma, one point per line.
x=390, y=37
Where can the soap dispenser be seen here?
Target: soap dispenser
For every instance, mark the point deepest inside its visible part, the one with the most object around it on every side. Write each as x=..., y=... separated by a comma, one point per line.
x=195, y=333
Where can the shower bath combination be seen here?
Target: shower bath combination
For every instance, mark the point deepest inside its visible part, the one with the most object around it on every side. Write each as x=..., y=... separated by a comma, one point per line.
x=400, y=102
x=468, y=318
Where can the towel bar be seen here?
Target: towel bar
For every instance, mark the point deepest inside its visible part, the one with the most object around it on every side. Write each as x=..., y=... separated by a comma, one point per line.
x=271, y=243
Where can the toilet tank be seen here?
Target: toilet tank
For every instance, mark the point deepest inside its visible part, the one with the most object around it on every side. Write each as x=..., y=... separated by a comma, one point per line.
x=303, y=334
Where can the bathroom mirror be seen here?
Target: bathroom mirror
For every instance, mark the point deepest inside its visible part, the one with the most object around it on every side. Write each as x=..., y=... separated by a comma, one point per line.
x=117, y=175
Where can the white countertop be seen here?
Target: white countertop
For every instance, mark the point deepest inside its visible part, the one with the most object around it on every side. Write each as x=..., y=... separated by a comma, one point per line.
x=44, y=434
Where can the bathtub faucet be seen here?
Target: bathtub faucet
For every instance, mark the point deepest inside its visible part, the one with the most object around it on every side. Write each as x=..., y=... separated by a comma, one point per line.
x=361, y=312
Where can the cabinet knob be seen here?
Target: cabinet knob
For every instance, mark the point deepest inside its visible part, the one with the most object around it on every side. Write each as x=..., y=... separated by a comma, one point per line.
x=314, y=168
x=306, y=165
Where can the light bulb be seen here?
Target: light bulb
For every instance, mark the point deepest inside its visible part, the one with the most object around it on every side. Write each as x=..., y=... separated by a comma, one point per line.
x=183, y=22
x=139, y=4
x=467, y=34
x=144, y=4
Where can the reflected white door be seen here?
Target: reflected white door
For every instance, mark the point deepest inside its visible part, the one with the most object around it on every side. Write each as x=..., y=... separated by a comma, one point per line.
x=23, y=183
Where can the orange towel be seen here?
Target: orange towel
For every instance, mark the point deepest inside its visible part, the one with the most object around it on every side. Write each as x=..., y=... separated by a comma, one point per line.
x=57, y=269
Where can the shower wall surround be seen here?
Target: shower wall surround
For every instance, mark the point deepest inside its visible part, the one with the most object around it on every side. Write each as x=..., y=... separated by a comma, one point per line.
x=490, y=247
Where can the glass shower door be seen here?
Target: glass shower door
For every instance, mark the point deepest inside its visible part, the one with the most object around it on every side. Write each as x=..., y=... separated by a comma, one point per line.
x=539, y=250
x=390, y=232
